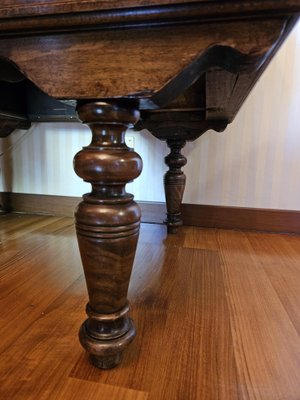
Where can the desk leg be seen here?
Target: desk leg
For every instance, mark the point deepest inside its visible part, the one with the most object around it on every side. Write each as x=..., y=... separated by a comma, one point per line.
x=174, y=182
x=107, y=224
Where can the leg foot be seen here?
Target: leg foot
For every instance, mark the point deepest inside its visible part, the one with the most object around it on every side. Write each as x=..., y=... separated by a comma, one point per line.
x=106, y=336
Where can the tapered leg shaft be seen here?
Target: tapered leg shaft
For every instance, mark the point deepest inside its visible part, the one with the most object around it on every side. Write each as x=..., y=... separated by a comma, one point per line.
x=107, y=224
x=174, y=183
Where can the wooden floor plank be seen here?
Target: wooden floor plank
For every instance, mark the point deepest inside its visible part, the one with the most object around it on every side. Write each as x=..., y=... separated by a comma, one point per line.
x=42, y=356
x=280, y=259
x=217, y=315
x=267, y=346
x=196, y=345
x=75, y=389
x=33, y=278
x=199, y=238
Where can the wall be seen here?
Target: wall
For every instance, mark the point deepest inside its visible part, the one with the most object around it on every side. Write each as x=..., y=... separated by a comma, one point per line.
x=42, y=161
x=255, y=163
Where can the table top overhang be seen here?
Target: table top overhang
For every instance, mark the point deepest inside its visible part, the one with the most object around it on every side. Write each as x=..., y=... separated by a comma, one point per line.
x=19, y=17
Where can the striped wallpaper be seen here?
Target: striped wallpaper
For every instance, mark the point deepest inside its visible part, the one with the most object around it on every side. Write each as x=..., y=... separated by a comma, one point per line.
x=255, y=163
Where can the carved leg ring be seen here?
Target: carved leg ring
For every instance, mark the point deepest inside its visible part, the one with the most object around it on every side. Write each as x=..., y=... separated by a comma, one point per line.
x=107, y=224
x=174, y=182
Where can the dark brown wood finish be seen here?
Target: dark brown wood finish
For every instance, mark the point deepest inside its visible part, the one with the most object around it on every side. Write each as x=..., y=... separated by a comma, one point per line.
x=177, y=125
x=135, y=55
x=174, y=184
x=107, y=224
x=259, y=219
x=55, y=61
x=210, y=103
x=73, y=15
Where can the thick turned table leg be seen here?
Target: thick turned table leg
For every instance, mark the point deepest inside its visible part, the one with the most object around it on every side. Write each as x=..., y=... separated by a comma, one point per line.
x=107, y=224
x=174, y=182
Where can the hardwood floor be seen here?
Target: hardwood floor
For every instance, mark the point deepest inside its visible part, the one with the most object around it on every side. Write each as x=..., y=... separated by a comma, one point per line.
x=217, y=314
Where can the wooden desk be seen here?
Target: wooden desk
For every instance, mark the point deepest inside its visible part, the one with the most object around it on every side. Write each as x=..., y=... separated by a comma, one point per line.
x=182, y=66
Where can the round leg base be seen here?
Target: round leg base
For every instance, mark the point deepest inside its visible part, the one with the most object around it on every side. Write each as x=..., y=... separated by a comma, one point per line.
x=106, y=354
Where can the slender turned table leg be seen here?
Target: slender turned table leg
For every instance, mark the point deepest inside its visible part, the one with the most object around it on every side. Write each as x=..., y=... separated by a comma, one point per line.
x=174, y=182
x=107, y=224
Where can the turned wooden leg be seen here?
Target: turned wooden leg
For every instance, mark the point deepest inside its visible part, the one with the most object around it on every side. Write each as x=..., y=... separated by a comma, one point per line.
x=107, y=224
x=174, y=182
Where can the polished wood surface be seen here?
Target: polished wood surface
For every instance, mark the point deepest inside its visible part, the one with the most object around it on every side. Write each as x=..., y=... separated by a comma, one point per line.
x=107, y=225
x=217, y=311
x=259, y=219
x=13, y=8
x=140, y=10
x=174, y=184
x=113, y=62
x=54, y=62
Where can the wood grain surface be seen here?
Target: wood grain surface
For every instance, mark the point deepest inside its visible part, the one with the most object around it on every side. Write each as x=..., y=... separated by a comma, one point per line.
x=107, y=226
x=14, y=8
x=217, y=315
x=25, y=8
x=137, y=61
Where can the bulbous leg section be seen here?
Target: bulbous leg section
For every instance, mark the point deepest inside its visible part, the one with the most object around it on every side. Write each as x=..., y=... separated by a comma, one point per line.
x=107, y=225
